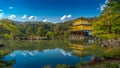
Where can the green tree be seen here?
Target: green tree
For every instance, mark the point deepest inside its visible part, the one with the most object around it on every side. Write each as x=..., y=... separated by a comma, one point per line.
x=49, y=34
x=108, y=23
x=7, y=28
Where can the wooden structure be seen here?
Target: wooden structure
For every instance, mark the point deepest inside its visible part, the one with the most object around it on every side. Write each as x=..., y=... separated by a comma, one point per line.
x=80, y=28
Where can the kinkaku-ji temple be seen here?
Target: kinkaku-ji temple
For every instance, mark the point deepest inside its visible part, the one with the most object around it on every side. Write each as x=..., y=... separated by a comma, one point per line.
x=81, y=28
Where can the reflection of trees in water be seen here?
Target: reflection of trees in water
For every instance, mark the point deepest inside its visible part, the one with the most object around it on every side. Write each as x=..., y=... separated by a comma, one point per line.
x=3, y=62
x=11, y=45
x=36, y=45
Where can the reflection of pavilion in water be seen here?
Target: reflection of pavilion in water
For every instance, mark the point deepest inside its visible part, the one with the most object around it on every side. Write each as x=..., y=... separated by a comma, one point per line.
x=86, y=41
x=80, y=29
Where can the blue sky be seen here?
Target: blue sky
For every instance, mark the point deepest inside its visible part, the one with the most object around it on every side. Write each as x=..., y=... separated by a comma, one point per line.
x=49, y=10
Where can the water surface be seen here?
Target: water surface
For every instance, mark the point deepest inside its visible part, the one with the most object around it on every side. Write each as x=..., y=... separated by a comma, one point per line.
x=39, y=59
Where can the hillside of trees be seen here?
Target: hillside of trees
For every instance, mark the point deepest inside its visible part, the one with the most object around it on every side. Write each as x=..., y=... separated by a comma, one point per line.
x=11, y=30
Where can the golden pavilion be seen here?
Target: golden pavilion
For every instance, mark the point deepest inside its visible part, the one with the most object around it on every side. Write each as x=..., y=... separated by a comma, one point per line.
x=80, y=28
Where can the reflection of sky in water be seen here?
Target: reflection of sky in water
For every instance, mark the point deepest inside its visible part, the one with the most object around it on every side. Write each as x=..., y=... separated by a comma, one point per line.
x=37, y=59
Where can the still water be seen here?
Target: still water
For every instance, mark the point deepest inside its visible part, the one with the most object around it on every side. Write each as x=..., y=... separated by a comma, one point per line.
x=37, y=59
x=40, y=54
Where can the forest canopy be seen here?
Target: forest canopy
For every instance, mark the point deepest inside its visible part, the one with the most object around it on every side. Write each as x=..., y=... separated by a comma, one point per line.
x=12, y=30
x=107, y=25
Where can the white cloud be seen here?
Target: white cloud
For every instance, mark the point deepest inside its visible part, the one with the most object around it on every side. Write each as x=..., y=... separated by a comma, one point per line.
x=32, y=17
x=1, y=10
x=12, y=55
x=64, y=17
x=24, y=54
x=103, y=5
x=69, y=16
x=12, y=16
x=65, y=53
x=2, y=14
x=10, y=7
x=45, y=20
x=31, y=53
x=24, y=16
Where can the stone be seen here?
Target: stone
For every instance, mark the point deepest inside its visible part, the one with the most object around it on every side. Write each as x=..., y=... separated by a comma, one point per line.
x=110, y=43
x=95, y=59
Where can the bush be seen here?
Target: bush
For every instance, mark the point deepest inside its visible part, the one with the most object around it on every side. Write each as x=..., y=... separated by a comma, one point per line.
x=111, y=53
x=110, y=65
x=61, y=66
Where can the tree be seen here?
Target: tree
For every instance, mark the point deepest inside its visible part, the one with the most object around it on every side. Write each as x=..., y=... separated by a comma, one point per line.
x=108, y=23
x=40, y=31
x=7, y=28
x=49, y=34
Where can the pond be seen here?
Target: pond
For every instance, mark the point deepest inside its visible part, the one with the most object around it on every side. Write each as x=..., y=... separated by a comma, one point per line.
x=38, y=54
x=37, y=59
